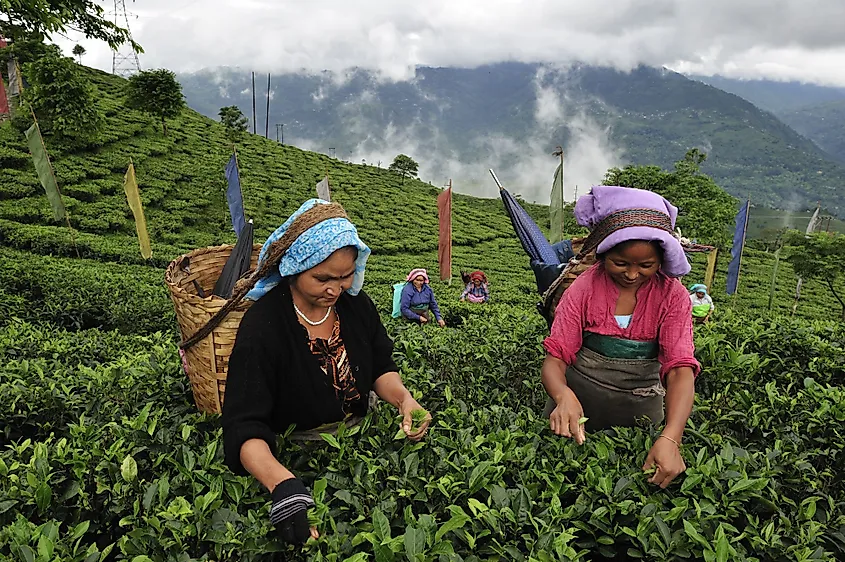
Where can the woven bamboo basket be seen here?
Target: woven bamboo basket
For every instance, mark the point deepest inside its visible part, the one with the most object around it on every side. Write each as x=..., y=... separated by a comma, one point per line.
x=206, y=362
x=570, y=273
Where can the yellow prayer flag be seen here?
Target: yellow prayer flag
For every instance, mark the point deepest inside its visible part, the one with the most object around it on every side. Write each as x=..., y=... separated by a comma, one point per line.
x=710, y=273
x=133, y=196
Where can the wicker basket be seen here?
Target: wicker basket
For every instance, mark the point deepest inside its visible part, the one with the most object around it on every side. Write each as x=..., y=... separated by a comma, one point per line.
x=206, y=362
x=567, y=277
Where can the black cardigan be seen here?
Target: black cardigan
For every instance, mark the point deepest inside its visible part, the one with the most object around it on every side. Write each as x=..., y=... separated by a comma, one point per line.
x=274, y=380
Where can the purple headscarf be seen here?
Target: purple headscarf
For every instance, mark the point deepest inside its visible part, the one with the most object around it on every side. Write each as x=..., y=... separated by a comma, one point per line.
x=604, y=200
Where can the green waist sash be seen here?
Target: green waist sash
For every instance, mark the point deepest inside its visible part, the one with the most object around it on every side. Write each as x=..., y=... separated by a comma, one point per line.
x=618, y=348
x=420, y=308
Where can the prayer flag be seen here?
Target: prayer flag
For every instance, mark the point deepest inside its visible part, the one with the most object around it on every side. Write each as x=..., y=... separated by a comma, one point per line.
x=557, y=206
x=15, y=78
x=811, y=226
x=234, y=196
x=710, y=272
x=323, y=190
x=4, y=102
x=45, y=171
x=774, y=279
x=737, y=248
x=444, y=247
x=133, y=196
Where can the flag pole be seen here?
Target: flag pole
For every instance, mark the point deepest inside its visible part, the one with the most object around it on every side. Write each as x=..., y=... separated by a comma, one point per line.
x=53, y=174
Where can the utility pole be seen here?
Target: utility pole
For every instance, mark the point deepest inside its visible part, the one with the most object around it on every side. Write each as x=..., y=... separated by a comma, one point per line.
x=267, y=118
x=254, y=125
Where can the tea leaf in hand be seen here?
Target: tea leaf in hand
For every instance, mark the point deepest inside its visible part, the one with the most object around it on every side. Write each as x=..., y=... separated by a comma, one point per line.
x=418, y=416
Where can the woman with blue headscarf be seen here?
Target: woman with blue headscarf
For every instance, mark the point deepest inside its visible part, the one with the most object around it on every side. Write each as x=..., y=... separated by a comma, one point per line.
x=702, y=303
x=309, y=351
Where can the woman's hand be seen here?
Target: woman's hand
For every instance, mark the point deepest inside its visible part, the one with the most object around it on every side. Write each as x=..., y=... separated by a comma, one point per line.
x=566, y=415
x=665, y=456
x=441, y=322
x=423, y=319
x=406, y=408
x=291, y=501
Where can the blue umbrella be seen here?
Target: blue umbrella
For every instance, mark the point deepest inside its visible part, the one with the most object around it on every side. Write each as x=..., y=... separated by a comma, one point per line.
x=530, y=236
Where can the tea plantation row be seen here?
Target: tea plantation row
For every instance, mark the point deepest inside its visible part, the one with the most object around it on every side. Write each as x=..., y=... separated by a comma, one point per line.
x=106, y=457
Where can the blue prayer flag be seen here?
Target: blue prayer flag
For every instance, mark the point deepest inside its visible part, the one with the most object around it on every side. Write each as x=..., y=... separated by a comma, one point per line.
x=530, y=236
x=738, y=245
x=234, y=196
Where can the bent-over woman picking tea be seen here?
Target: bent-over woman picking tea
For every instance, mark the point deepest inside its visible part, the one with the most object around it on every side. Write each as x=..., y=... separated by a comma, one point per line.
x=621, y=343
x=309, y=351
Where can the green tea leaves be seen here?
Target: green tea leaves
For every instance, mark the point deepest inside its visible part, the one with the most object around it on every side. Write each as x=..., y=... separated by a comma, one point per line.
x=129, y=469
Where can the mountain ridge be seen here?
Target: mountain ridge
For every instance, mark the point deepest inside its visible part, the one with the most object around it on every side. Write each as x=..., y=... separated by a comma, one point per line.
x=459, y=122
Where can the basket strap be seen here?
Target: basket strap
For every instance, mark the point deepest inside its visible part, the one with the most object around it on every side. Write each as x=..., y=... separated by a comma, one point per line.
x=272, y=257
x=611, y=223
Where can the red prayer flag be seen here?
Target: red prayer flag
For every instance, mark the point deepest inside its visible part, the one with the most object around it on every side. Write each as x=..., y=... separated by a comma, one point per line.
x=444, y=248
x=4, y=102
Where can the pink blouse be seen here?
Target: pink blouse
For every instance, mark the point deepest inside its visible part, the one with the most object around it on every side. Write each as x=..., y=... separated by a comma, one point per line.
x=663, y=312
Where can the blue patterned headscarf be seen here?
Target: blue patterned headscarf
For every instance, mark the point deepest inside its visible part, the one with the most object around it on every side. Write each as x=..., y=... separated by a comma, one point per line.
x=698, y=288
x=312, y=248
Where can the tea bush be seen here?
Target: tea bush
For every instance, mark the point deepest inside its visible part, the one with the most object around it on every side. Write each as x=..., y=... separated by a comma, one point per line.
x=115, y=451
x=104, y=457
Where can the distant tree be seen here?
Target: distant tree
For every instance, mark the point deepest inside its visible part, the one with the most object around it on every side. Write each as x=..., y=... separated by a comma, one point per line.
x=78, y=51
x=234, y=120
x=156, y=92
x=706, y=211
x=63, y=100
x=819, y=256
x=405, y=166
x=40, y=19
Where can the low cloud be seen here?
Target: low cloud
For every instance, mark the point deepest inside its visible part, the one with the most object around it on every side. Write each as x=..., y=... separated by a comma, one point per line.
x=525, y=167
x=780, y=39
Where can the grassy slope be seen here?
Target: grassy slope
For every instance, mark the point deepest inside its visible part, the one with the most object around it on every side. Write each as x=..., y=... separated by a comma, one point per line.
x=183, y=190
x=183, y=187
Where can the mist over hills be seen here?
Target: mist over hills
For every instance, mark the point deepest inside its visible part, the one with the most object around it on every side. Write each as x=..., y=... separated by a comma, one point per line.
x=459, y=122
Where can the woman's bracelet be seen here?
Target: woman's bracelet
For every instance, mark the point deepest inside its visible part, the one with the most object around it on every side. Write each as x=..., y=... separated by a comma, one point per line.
x=670, y=439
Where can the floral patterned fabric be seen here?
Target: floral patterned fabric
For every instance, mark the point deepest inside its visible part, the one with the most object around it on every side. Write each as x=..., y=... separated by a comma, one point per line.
x=331, y=355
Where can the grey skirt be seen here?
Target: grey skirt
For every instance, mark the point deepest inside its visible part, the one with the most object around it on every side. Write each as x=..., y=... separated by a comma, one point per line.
x=614, y=391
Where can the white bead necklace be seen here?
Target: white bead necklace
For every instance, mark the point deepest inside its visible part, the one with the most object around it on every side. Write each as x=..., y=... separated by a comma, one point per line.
x=311, y=322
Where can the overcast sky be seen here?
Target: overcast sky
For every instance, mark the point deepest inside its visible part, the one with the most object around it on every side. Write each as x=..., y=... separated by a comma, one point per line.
x=777, y=39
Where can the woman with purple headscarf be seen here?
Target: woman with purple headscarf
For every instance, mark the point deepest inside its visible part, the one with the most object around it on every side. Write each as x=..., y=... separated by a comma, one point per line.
x=621, y=344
